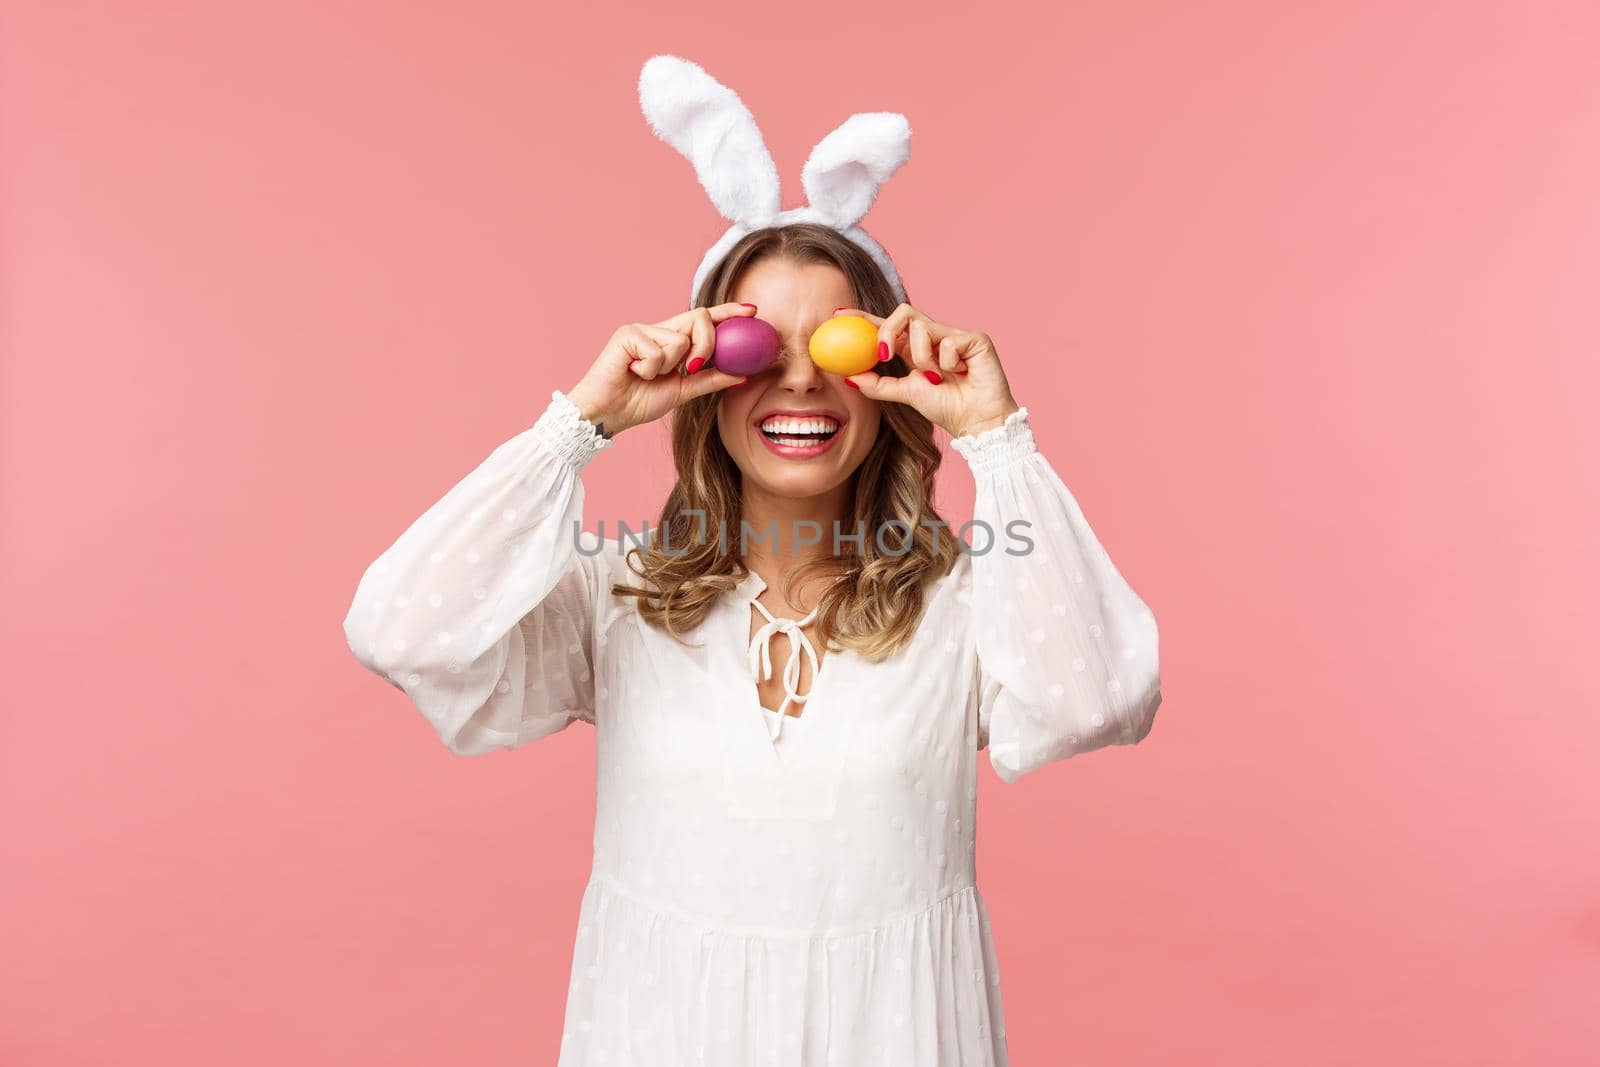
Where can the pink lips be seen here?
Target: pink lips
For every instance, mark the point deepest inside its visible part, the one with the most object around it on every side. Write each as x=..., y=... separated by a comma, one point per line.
x=798, y=451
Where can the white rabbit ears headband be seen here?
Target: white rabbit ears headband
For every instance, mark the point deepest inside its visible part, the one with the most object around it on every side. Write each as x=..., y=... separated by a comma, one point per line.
x=708, y=123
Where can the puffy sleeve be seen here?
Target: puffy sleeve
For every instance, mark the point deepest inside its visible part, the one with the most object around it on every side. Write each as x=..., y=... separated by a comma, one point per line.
x=483, y=612
x=1067, y=652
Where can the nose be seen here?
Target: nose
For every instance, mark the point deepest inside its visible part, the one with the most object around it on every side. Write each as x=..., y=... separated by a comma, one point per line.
x=797, y=374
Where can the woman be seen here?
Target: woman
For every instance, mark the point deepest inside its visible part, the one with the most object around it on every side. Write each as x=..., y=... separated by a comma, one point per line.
x=798, y=890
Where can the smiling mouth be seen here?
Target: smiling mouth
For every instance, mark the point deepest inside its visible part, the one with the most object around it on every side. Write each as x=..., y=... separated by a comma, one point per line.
x=794, y=432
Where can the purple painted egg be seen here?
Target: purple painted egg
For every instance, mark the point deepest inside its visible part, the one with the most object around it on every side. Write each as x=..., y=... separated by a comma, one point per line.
x=746, y=345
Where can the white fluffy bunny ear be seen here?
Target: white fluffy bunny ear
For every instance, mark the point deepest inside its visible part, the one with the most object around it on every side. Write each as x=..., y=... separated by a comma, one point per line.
x=708, y=123
x=846, y=168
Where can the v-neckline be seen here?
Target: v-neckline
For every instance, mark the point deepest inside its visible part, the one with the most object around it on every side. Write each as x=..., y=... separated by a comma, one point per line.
x=784, y=752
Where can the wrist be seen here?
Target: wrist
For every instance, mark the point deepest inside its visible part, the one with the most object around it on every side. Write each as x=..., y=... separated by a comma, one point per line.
x=991, y=450
x=988, y=420
x=592, y=411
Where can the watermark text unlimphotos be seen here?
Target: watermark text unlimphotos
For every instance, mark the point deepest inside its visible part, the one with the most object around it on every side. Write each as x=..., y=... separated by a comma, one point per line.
x=893, y=537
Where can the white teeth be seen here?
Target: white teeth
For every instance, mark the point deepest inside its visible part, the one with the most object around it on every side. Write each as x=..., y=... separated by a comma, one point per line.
x=788, y=424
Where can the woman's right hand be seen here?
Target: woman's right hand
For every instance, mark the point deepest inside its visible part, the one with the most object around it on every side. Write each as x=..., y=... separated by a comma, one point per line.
x=636, y=378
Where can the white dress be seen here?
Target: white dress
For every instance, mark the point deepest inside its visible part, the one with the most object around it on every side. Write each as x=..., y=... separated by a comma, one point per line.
x=800, y=900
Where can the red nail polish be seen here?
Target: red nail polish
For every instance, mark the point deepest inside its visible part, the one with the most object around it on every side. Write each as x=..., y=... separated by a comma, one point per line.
x=696, y=363
x=851, y=384
x=837, y=310
x=883, y=351
x=961, y=372
x=743, y=304
x=932, y=376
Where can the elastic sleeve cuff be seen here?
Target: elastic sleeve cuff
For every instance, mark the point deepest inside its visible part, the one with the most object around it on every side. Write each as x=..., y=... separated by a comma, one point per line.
x=567, y=433
x=998, y=446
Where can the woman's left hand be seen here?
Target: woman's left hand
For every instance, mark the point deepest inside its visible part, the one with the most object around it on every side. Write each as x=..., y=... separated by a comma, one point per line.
x=955, y=379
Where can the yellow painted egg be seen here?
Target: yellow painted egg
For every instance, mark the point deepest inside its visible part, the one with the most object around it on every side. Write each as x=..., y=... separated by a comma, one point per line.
x=845, y=344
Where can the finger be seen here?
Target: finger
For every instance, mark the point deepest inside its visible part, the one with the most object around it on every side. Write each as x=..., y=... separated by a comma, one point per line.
x=858, y=313
x=890, y=331
x=950, y=357
x=895, y=328
x=709, y=380
x=718, y=312
x=702, y=342
x=936, y=330
x=644, y=354
x=895, y=332
x=885, y=387
x=674, y=345
x=923, y=356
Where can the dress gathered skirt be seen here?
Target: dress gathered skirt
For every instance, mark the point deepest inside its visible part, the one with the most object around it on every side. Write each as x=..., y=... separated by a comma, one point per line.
x=795, y=898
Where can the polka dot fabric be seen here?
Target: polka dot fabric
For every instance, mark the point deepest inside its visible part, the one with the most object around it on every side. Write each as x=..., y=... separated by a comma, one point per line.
x=1067, y=650
x=799, y=902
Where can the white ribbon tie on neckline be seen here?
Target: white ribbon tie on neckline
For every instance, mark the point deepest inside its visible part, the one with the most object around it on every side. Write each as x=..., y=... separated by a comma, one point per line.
x=761, y=659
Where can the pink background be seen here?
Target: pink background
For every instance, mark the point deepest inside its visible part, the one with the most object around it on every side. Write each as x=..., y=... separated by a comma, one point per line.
x=1304, y=300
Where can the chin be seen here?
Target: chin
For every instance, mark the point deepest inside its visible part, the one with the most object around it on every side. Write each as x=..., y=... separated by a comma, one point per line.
x=788, y=482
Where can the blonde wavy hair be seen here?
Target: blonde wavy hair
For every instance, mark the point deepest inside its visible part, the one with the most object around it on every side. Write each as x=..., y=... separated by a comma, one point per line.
x=877, y=598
